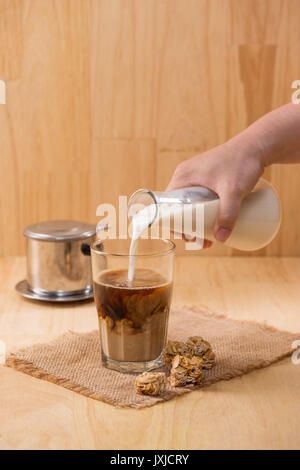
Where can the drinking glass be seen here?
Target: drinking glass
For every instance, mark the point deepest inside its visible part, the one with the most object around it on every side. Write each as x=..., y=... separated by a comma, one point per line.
x=133, y=315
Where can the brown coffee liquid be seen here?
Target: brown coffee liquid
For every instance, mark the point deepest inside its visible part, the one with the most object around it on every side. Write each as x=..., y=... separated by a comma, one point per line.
x=116, y=297
x=133, y=316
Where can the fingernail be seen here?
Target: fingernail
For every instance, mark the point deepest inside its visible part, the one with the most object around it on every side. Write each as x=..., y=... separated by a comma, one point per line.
x=207, y=244
x=222, y=234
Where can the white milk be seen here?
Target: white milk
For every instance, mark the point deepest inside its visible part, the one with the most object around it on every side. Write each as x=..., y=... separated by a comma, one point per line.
x=140, y=222
x=176, y=217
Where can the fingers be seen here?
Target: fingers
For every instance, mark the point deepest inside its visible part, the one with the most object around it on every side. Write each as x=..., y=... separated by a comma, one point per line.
x=228, y=211
x=202, y=243
x=207, y=244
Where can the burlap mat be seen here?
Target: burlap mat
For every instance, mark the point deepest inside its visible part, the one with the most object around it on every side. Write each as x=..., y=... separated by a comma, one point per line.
x=73, y=360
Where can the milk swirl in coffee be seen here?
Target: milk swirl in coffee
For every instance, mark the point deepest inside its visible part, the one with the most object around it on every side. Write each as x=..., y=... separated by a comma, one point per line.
x=133, y=315
x=133, y=304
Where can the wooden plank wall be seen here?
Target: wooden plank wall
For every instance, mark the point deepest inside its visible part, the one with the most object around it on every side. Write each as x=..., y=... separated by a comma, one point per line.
x=105, y=96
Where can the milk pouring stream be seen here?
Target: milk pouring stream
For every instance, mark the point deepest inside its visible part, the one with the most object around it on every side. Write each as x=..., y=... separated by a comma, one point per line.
x=257, y=223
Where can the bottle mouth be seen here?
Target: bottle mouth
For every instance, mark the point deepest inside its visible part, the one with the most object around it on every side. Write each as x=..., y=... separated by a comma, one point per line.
x=139, y=200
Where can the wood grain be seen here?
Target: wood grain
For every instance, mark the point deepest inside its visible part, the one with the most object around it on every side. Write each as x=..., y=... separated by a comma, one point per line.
x=11, y=39
x=93, y=86
x=243, y=413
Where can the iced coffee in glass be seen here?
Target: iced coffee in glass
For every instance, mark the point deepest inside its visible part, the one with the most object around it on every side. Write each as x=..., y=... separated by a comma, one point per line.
x=133, y=311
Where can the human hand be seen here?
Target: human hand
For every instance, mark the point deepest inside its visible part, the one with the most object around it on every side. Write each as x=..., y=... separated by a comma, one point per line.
x=231, y=170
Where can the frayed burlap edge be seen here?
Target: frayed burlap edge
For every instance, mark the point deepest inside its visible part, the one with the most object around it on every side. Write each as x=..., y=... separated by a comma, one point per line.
x=28, y=368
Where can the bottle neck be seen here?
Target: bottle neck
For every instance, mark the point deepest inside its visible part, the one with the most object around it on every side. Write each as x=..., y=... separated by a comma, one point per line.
x=145, y=197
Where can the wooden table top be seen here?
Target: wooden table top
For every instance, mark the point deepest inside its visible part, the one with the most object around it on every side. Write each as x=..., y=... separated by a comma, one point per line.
x=257, y=411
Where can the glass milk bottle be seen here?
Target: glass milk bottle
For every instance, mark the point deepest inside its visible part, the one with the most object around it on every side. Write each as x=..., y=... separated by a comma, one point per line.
x=257, y=224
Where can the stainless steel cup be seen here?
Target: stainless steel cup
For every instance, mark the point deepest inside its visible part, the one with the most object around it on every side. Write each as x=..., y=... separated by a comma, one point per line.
x=58, y=257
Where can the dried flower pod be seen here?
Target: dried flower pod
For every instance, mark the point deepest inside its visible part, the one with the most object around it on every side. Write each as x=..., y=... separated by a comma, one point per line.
x=197, y=346
x=172, y=349
x=150, y=383
x=209, y=359
x=186, y=370
x=175, y=347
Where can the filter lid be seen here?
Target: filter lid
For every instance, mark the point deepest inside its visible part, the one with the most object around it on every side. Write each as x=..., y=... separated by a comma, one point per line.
x=57, y=230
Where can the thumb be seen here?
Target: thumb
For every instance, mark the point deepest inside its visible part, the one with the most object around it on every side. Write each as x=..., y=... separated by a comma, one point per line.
x=228, y=211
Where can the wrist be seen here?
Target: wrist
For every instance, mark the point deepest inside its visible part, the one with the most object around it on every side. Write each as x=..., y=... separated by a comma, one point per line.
x=249, y=148
x=274, y=135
